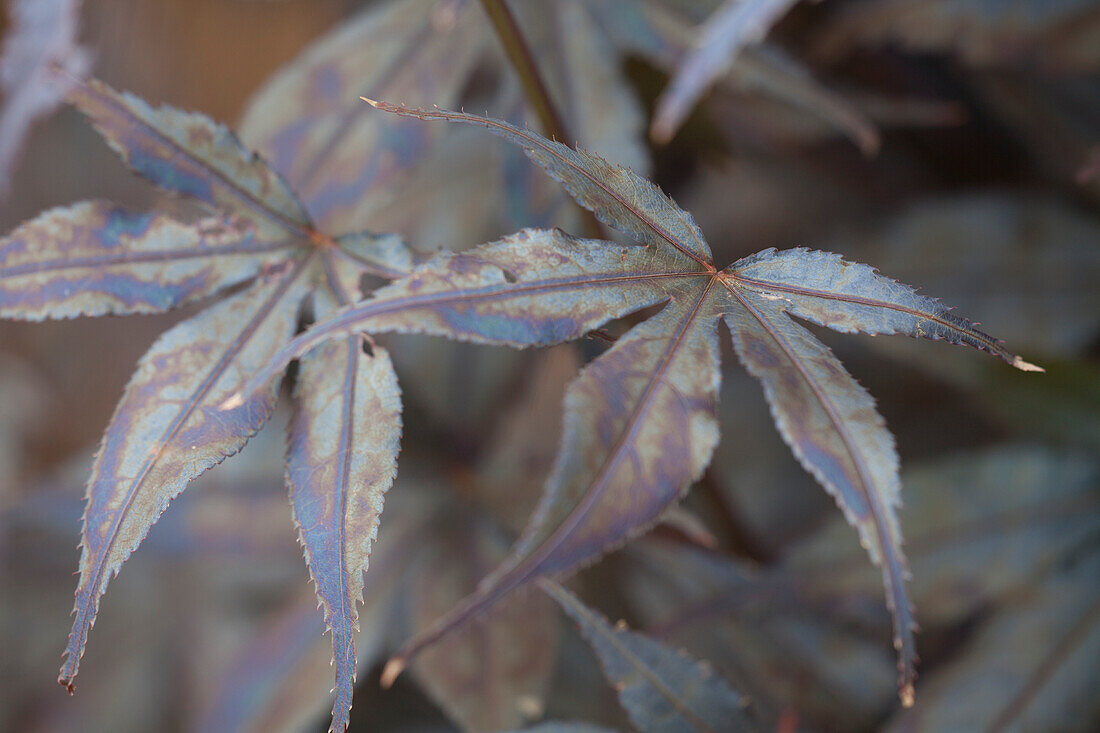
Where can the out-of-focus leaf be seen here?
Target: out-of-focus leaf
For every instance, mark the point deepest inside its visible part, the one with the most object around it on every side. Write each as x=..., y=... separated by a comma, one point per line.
x=772, y=497
x=622, y=465
x=252, y=693
x=581, y=66
x=1028, y=264
x=255, y=695
x=488, y=676
x=95, y=258
x=1058, y=34
x=665, y=37
x=775, y=648
x=1023, y=509
x=40, y=40
x=661, y=689
x=734, y=25
x=1032, y=665
x=1063, y=409
x=24, y=402
x=554, y=726
x=983, y=531
x=1054, y=118
x=769, y=69
x=512, y=471
x=309, y=121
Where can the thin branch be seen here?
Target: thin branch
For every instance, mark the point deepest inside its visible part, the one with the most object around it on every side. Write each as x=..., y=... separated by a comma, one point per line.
x=534, y=88
x=523, y=61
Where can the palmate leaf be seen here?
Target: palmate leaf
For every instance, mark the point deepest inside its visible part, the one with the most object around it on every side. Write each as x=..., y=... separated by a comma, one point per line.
x=93, y=258
x=640, y=421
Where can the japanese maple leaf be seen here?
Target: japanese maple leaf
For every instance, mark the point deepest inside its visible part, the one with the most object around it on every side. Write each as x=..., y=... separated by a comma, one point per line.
x=639, y=425
x=95, y=258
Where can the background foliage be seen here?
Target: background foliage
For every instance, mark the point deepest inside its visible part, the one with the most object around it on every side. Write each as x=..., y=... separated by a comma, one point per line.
x=950, y=144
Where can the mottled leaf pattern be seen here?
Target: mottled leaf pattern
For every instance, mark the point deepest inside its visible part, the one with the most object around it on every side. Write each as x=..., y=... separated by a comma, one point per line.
x=308, y=121
x=167, y=429
x=832, y=426
x=341, y=460
x=190, y=154
x=95, y=258
x=520, y=291
x=619, y=197
x=849, y=297
x=640, y=425
x=662, y=690
x=640, y=421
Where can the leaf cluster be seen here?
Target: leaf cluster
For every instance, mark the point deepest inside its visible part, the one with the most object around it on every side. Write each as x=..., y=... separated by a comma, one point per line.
x=280, y=262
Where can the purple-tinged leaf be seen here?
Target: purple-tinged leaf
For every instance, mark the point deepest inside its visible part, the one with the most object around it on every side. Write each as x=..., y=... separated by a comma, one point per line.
x=831, y=425
x=488, y=676
x=187, y=153
x=1025, y=510
x=619, y=197
x=850, y=297
x=342, y=450
x=734, y=25
x=535, y=287
x=512, y=470
x=95, y=258
x=619, y=468
x=275, y=681
x=341, y=460
x=666, y=36
x=662, y=690
x=767, y=68
x=582, y=70
x=41, y=38
x=167, y=429
x=385, y=255
x=639, y=428
x=309, y=122
x=987, y=253
x=761, y=633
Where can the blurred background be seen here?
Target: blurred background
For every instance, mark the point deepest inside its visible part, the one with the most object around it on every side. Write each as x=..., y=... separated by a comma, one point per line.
x=953, y=144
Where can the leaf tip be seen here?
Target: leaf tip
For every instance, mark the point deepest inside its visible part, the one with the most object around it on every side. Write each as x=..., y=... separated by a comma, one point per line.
x=1025, y=366
x=372, y=102
x=908, y=695
x=393, y=669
